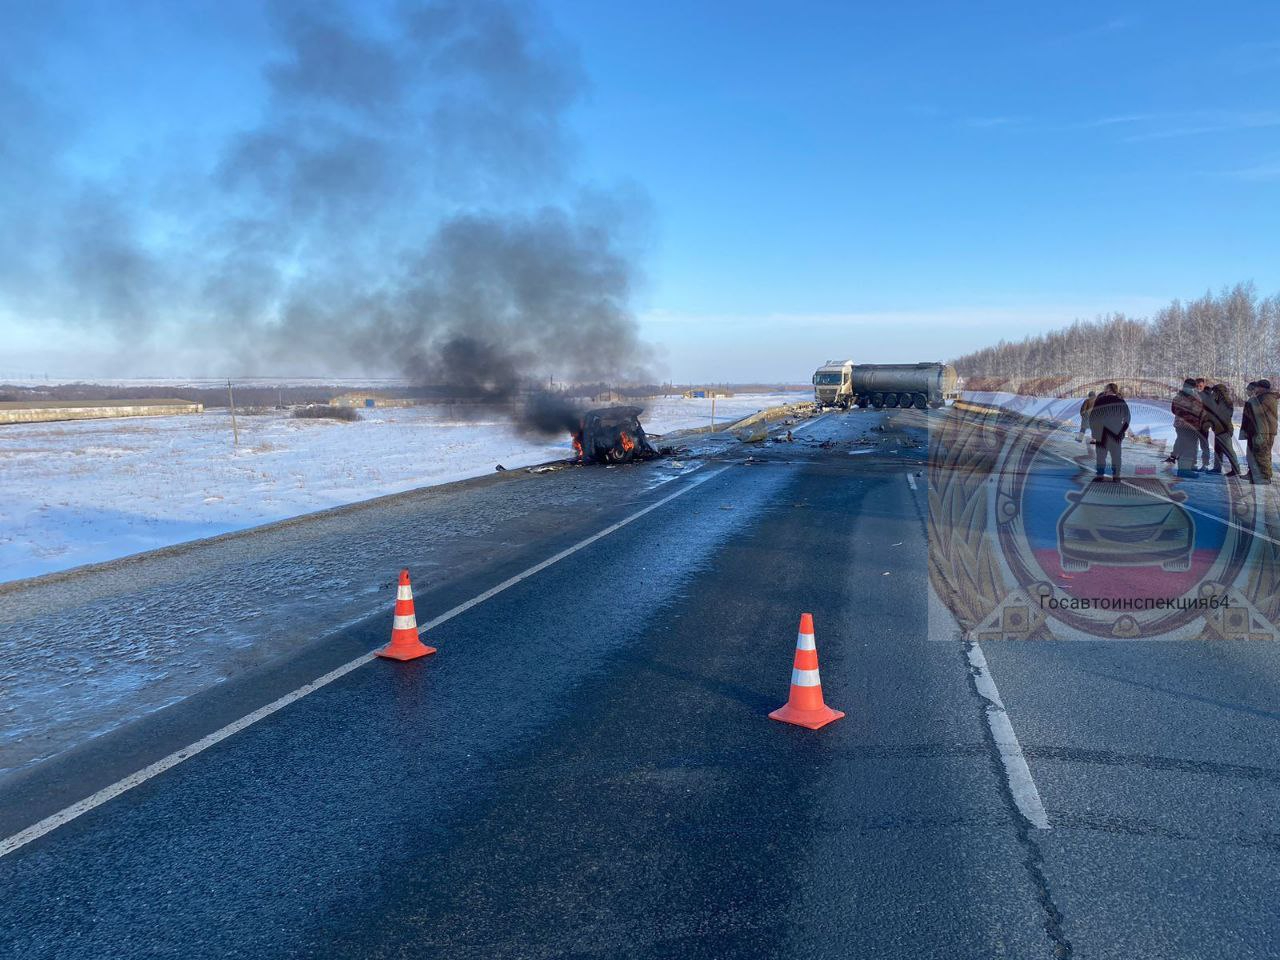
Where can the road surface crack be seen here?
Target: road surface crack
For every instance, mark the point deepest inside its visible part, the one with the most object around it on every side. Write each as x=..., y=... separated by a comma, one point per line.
x=1033, y=859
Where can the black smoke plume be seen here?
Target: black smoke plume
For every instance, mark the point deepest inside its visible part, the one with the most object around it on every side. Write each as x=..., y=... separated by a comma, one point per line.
x=405, y=205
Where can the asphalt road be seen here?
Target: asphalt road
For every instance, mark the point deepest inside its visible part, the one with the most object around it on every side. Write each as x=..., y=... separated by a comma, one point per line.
x=586, y=768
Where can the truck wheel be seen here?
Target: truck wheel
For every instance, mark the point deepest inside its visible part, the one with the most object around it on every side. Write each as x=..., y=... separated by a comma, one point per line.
x=890, y=399
x=877, y=400
x=863, y=400
x=904, y=400
x=921, y=402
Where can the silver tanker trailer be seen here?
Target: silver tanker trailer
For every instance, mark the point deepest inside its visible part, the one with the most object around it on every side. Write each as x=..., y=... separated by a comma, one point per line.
x=843, y=383
x=904, y=384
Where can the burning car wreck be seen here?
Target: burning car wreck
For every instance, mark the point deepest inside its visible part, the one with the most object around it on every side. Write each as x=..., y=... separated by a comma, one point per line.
x=612, y=435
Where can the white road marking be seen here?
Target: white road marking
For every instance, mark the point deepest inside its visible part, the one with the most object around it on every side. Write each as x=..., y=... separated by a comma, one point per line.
x=1016, y=771
x=1190, y=509
x=854, y=453
x=809, y=423
x=911, y=481
x=66, y=815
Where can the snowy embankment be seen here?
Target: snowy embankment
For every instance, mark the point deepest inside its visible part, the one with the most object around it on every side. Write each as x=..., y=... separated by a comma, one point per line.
x=1149, y=418
x=87, y=491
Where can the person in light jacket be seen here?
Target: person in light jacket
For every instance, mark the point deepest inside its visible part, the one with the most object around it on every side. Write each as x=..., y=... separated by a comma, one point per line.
x=1109, y=424
x=1188, y=414
x=1084, y=413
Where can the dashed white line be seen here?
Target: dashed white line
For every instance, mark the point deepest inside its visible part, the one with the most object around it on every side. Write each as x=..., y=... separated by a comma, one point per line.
x=911, y=481
x=800, y=428
x=81, y=807
x=1016, y=771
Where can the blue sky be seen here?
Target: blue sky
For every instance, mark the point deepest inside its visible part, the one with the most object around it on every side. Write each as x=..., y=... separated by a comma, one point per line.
x=880, y=181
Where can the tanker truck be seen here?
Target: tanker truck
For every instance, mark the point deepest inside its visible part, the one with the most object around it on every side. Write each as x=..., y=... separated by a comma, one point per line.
x=903, y=384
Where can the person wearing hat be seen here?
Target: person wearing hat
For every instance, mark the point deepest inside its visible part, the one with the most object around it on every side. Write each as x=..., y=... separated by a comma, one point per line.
x=1259, y=430
x=1246, y=424
x=1109, y=422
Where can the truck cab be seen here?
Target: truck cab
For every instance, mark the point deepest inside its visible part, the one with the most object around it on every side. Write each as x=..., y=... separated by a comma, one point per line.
x=833, y=384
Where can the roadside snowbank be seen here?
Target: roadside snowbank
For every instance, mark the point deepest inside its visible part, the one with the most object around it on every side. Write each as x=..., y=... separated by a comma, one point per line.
x=87, y=491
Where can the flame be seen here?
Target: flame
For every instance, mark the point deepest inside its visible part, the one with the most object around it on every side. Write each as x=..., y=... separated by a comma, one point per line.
x=627, y=443
x=577, y=445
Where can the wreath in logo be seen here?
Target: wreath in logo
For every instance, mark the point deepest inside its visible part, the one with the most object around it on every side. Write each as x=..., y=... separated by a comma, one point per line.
x=1025, y=544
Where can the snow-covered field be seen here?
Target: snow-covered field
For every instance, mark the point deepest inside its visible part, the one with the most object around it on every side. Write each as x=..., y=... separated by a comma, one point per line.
x=91, y=490
x=1149, y=418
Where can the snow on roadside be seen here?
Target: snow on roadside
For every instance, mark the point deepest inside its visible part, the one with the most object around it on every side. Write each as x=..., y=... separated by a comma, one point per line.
x=91, y=490
x=1149, y=418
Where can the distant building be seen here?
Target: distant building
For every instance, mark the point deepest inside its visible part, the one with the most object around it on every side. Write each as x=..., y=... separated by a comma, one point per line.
x=703, y=393
x=370, y=400
x=42, y=411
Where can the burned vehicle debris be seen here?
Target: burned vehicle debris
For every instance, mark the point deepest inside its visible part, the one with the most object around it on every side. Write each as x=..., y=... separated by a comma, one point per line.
x=612, y=435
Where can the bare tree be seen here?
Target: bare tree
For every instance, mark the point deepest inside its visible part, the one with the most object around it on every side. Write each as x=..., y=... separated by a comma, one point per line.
x=1230, y=337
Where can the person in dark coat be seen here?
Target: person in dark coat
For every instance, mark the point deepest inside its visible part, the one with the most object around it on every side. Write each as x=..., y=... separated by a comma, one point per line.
x=1246, y=423
x=1084, y=413
x=1109, y=424
x=1219, y=411
x=1261, y=423
x=1202, y=389
x=1188, y=414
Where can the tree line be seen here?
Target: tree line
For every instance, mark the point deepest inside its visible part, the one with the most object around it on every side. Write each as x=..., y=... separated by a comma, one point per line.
x=1230, y=337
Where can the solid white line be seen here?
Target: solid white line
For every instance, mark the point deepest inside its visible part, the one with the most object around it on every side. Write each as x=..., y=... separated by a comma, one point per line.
x=911, y=481
x=809, y=423
x=1190, y=509
x=66, y=815
x=1016, y=771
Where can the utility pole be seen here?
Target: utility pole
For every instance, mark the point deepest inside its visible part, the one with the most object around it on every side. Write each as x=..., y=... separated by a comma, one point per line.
x=231, y=402
x=713, y=413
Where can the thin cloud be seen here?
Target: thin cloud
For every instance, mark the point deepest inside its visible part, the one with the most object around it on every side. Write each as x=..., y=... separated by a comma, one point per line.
x=991, y=123
x=1165, y=126
x=1259, y=173
x=1120, y=119
x=1105, y=28
x=1196, y=124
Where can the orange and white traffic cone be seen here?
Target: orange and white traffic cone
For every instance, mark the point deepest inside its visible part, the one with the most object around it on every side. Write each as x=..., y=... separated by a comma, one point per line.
x=405, y=644
x=805, y=707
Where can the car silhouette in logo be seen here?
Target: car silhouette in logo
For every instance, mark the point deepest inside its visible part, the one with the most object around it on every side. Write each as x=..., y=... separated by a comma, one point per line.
x=1138, y=523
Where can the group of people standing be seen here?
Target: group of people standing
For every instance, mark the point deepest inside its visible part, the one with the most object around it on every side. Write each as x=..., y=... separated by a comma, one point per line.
x=1200, y=410
x=1199, y=413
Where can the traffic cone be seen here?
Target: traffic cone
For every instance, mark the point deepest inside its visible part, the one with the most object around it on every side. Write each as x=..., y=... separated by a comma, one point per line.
x=405, y=644
x=805, y=706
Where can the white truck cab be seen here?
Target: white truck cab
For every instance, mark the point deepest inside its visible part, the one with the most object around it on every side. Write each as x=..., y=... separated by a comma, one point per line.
x=833, y=384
